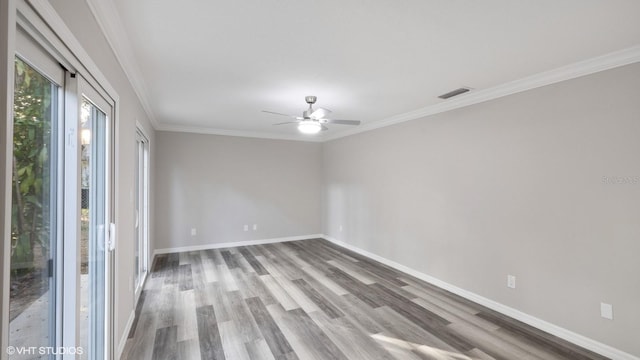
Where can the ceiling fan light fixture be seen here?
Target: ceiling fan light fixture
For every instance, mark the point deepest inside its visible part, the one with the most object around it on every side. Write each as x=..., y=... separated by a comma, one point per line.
x=319, y=113
x=309, y=127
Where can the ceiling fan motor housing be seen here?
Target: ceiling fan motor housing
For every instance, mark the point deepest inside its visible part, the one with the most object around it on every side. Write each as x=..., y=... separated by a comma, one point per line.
x=310, y=100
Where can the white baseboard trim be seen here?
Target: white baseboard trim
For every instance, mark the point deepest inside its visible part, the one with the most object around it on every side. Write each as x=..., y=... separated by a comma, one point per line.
x=125, y=335
x=234, y=244
x=545, y=326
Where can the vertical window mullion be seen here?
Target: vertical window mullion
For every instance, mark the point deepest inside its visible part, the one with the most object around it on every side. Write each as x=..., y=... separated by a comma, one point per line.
x=71, y=214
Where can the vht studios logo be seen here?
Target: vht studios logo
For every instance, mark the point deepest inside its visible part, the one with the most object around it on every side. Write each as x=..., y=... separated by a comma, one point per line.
x=621, y=180
x=44, y=350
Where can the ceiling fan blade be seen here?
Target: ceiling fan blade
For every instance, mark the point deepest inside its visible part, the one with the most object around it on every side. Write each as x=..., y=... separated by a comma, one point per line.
x=343, y=122
x=319, y=113
x=288, y=122
x=281, y=114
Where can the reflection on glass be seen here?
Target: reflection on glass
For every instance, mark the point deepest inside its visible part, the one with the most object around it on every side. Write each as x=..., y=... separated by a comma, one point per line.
x=33, y=212
x=92, y=230
x=138, y=223
x=141, y=199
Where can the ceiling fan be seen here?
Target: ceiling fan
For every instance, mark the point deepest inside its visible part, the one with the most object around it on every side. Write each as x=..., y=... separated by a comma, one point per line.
x=312, y=120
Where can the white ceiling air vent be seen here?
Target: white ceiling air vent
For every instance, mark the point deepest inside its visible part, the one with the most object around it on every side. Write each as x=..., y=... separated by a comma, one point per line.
x=455, y=92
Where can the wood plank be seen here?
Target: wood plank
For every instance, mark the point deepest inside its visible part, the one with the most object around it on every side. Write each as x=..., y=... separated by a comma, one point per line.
x=443, y=302
x=323, y=304
x=209, y=334
x=232, y=341
x=260, y=289
x=353, y=272
x=398, y=349
x=241, y=315
x=210, y=271
x=198, y=278
x=360, y=290
x=220, y=302
x=230, y=260
x=456, y=317
x=140, y=347
x=165, y=307
x=497, y=348
x=350, y=339
x=361, y=313
x=186, y=316
x=226, y=280
x=273, y=336
x=189, y=349
x=185, y=279
x=407, y=333
x=312, y=272
x=165, y=346
x=215, y=256
x=283, y=298
x=306, y=338
x=259, y=350
x=255, y=264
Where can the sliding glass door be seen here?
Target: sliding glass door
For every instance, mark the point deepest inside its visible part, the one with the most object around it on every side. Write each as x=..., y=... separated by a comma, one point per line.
x=94, y=222
x=62, y=195
x=35, y=239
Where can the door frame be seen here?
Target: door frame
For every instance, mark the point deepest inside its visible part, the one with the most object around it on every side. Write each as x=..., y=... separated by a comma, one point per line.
x=7, y=51
x=87, y=91
x=41, y=21
x=143, y=216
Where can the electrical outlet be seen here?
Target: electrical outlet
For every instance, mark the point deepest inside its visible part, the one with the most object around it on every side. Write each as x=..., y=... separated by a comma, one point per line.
x=246, y=228
x=511, y=281
x=194, y=232
x=340, y=228
x=606, y=311
x=255, y=227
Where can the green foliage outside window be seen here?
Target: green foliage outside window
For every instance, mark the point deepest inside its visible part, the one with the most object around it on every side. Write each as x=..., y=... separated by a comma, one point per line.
x=30, y=222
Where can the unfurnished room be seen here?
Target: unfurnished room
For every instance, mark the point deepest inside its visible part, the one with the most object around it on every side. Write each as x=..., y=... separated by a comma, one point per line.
x=320, y=180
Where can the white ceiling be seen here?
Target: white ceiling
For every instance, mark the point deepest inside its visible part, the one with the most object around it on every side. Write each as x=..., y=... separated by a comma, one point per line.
x=212, y=66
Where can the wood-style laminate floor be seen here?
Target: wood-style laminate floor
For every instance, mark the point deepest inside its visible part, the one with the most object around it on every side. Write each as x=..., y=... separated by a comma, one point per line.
x=314, y=300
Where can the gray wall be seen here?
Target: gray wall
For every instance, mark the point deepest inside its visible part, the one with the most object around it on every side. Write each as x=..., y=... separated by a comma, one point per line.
x=217, y=184
x=510, y=186
x=80, y=20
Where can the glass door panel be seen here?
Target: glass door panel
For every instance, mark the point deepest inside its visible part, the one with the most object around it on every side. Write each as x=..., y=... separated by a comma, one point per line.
x=138, y=214
x=93, y=221
x=32, y=305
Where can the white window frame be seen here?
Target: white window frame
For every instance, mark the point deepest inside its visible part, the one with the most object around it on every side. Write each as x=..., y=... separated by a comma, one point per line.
x=143, y=217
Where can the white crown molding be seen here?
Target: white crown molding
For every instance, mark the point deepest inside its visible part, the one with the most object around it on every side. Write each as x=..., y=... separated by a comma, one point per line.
x=108, y=18
x=545, y=326
x=605, y=62
x=240, y=133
